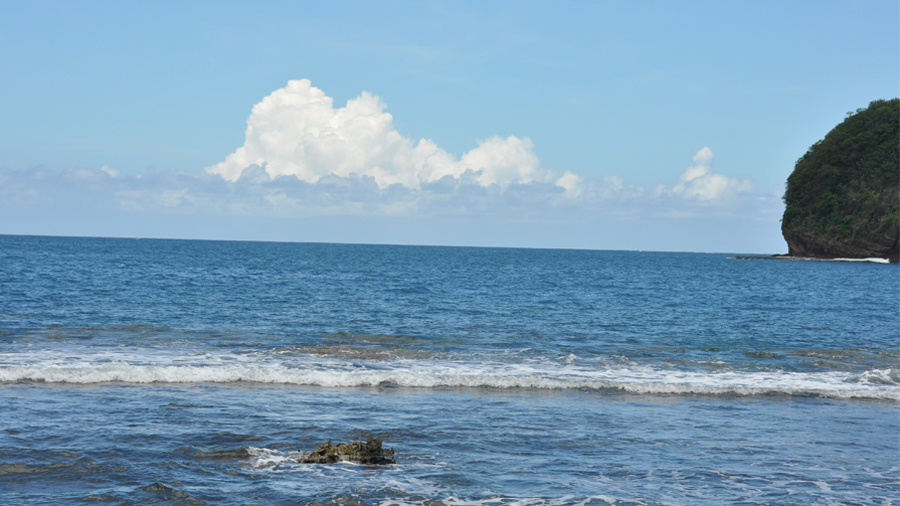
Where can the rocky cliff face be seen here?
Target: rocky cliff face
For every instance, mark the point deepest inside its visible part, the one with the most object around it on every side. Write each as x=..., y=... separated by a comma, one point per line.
x=843, y=198
x=884, y=242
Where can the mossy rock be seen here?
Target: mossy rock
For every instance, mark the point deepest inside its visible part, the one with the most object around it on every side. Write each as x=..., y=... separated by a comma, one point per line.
x=369, y=452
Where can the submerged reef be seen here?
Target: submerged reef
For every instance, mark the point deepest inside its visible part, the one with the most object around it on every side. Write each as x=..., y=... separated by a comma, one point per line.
x=369, y=452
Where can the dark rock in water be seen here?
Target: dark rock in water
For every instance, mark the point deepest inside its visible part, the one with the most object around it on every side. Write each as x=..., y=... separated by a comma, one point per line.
x=18, y=469
x=172, y=493
x=240, y=453
x=99, y=498
x=369, y=452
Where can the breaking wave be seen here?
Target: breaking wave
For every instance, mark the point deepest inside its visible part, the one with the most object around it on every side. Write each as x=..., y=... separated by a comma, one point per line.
x=881, y=384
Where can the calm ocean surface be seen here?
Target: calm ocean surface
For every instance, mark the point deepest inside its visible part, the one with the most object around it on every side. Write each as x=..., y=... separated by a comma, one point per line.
x=195, y=372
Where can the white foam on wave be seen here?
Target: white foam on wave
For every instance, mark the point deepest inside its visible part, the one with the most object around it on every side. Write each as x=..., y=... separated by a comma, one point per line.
x=514, y=501
x=266, y=458
x=874, y=260
x=871, y=384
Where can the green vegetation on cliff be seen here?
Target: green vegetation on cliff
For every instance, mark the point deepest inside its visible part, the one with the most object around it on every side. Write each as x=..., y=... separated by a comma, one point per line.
x=843, y=198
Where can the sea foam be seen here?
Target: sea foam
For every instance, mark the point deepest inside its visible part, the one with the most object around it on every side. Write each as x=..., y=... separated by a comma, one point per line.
x=871, y=384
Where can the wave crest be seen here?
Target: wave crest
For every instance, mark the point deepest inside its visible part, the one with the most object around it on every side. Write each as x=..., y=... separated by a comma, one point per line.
x=874, y=384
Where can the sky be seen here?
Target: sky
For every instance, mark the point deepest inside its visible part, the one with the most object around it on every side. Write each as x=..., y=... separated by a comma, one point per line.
x=665, y=126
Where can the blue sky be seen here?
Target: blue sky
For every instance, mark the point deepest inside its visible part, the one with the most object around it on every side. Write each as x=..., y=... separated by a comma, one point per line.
x=610, y=125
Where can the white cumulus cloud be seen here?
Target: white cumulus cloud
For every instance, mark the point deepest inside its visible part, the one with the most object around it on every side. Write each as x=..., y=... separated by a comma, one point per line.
x=699, y=183
x=297, y=131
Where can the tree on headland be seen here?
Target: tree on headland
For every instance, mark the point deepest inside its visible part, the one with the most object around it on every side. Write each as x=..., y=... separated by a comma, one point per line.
x=843, y=198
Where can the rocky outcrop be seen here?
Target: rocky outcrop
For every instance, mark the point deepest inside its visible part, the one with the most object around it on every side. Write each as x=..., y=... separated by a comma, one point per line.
x=843, y=198
x=883, y=242
x=369, y=452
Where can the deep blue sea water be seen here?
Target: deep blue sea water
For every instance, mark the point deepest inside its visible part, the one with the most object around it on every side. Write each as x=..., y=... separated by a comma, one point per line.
x=196, y=372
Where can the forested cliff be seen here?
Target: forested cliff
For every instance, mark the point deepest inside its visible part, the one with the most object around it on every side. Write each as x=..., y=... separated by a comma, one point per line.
x=843, y=198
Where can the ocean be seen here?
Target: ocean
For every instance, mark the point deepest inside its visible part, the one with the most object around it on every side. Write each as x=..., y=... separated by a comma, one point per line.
x=184, y=372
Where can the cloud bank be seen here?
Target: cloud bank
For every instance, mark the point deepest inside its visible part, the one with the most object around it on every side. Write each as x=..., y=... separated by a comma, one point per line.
x=297, y=131
x=350, y=173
